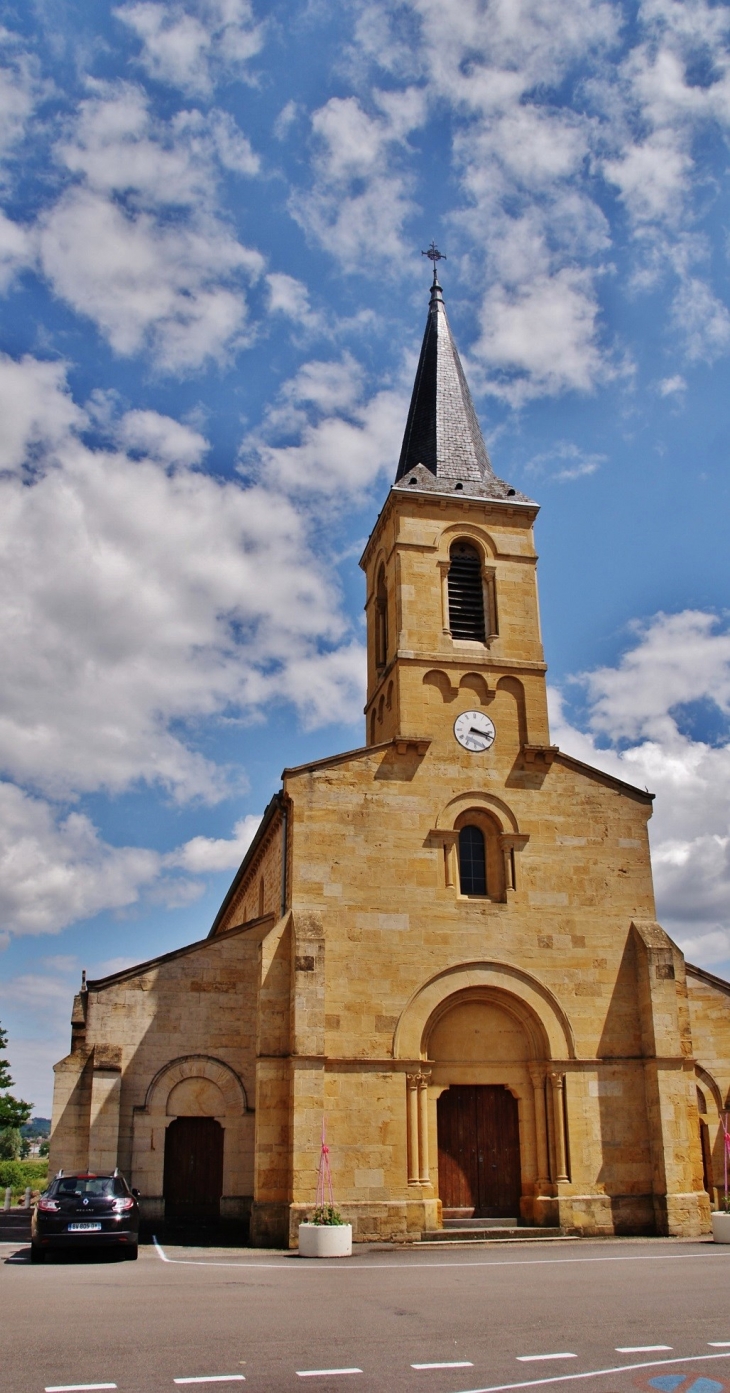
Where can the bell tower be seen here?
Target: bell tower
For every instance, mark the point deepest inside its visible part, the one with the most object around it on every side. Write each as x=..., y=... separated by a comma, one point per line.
x=452, y=611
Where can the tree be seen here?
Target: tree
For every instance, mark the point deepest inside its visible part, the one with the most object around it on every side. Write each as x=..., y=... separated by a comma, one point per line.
x=13, y=1111
x=10, y=1144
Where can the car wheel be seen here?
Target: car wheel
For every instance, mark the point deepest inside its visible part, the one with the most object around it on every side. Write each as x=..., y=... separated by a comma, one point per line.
x=131, y=1253
x=37, y=1254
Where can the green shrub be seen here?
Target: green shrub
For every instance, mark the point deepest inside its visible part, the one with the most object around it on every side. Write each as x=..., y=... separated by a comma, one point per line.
x=20, y=1174
x=326, y=1214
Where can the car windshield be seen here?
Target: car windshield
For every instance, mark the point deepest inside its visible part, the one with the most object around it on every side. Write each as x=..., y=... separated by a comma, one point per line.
x=91, y=1186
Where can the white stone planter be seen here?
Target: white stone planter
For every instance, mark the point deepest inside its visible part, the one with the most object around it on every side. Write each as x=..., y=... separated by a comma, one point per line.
x=720, y=1226
x=325, y=1240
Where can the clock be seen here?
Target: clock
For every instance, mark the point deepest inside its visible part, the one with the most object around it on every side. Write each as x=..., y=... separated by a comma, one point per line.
x=474, y=731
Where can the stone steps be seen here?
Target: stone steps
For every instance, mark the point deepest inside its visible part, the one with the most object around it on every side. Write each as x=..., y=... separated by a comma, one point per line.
x=512, y=1222
x=461, y=1231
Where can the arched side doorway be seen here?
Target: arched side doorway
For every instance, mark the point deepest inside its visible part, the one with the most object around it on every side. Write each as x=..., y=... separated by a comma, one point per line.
x=193, y=1174
x=193, y=1142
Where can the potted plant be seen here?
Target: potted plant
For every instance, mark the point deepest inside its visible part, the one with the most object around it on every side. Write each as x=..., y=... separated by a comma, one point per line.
x=325, y=1235
x=721, y=1221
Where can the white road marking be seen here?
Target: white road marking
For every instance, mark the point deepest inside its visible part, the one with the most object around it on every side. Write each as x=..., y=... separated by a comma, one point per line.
x=324, y=1373
x=457, y=1364
x=213, y=1378
x=719, y=1344
x=640, y=1349
x=76, y=1387
x=289, y=1265
x=531, y=1358
x=595, y=1373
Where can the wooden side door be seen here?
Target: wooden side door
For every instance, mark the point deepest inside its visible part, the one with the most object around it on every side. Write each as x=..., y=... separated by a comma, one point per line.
x=479, y=1150
x=193, y=1180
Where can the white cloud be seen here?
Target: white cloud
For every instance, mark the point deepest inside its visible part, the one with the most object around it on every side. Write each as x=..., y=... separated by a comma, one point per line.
x=19, y=91
x=701, y=319
x=161, y=438
x=290, y=297
x=359, y=200
x=671, y=386
x=285, y=120
x=136, y=244
x=542, y=335
x=16, y=251
x=202, y=854
x=641, y=706
x=194, y=43
x=344, y=442
x=172, y=289
x=679, y=658
x=652, y=177
x=135, y=597
x=56, y=870
x=544, y=101
x=37, y=412
x=565, y=462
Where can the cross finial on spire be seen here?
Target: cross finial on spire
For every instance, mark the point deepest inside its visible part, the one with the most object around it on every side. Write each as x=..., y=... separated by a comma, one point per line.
x=434, y=255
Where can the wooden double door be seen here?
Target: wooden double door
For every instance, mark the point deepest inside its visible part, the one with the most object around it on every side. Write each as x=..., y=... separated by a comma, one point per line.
x=193, y=1182
x=479, y=1150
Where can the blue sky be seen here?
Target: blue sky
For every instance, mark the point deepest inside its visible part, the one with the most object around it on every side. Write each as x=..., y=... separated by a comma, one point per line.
x=210, y=236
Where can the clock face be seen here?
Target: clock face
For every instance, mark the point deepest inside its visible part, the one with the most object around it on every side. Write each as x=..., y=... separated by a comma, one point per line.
x=474, y=731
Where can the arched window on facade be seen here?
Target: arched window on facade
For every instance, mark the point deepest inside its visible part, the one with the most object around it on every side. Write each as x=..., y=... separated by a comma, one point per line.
x=381, y=620
x=472, y=861
x=466, y=593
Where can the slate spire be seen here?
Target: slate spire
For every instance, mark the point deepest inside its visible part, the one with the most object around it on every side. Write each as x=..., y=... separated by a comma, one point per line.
x=442, y=436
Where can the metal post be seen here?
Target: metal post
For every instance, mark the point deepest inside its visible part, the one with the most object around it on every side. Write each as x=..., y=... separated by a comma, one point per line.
x=8, y=1198
x=26, y=1201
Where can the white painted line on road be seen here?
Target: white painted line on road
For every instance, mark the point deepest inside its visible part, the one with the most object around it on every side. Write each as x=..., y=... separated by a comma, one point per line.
x=324, y=1373
x=76, y=1387
x=292, y=1265
x=640, y=1349
x=595, y=1373
x=531, y=1358
x=719, y=1344
x=213, y=1378
x=457, y=1364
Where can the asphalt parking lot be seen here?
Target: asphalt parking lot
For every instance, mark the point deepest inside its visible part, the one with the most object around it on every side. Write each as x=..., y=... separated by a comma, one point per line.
x=614, y=1315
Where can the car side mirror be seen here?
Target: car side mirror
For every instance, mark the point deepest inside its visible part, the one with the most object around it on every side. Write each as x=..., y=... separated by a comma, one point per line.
x=135, y=1193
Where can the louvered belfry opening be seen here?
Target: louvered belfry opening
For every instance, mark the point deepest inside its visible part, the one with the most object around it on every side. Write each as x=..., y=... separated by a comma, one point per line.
x=466, y=593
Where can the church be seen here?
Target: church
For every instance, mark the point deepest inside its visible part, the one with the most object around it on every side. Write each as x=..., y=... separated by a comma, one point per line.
x=443, y=943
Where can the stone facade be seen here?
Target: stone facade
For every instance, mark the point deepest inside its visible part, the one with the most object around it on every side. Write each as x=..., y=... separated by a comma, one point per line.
x=347, y=976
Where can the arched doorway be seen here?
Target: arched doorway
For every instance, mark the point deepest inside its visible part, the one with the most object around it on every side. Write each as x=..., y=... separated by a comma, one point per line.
x=479, y=1151
x=193, y=1179
x=481, y=1045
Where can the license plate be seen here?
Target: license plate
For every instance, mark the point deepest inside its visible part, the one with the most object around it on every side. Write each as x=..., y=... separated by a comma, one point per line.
x=84, y=1228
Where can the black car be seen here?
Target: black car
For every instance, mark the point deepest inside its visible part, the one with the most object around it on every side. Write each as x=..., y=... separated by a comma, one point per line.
x=86, y=1210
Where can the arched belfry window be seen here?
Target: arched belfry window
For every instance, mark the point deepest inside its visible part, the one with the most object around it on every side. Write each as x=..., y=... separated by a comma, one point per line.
x=472, y=861
x=466, y=593
x=381, y=620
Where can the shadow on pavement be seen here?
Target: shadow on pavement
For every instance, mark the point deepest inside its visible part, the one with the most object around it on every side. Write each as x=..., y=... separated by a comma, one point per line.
x=191, y=1233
